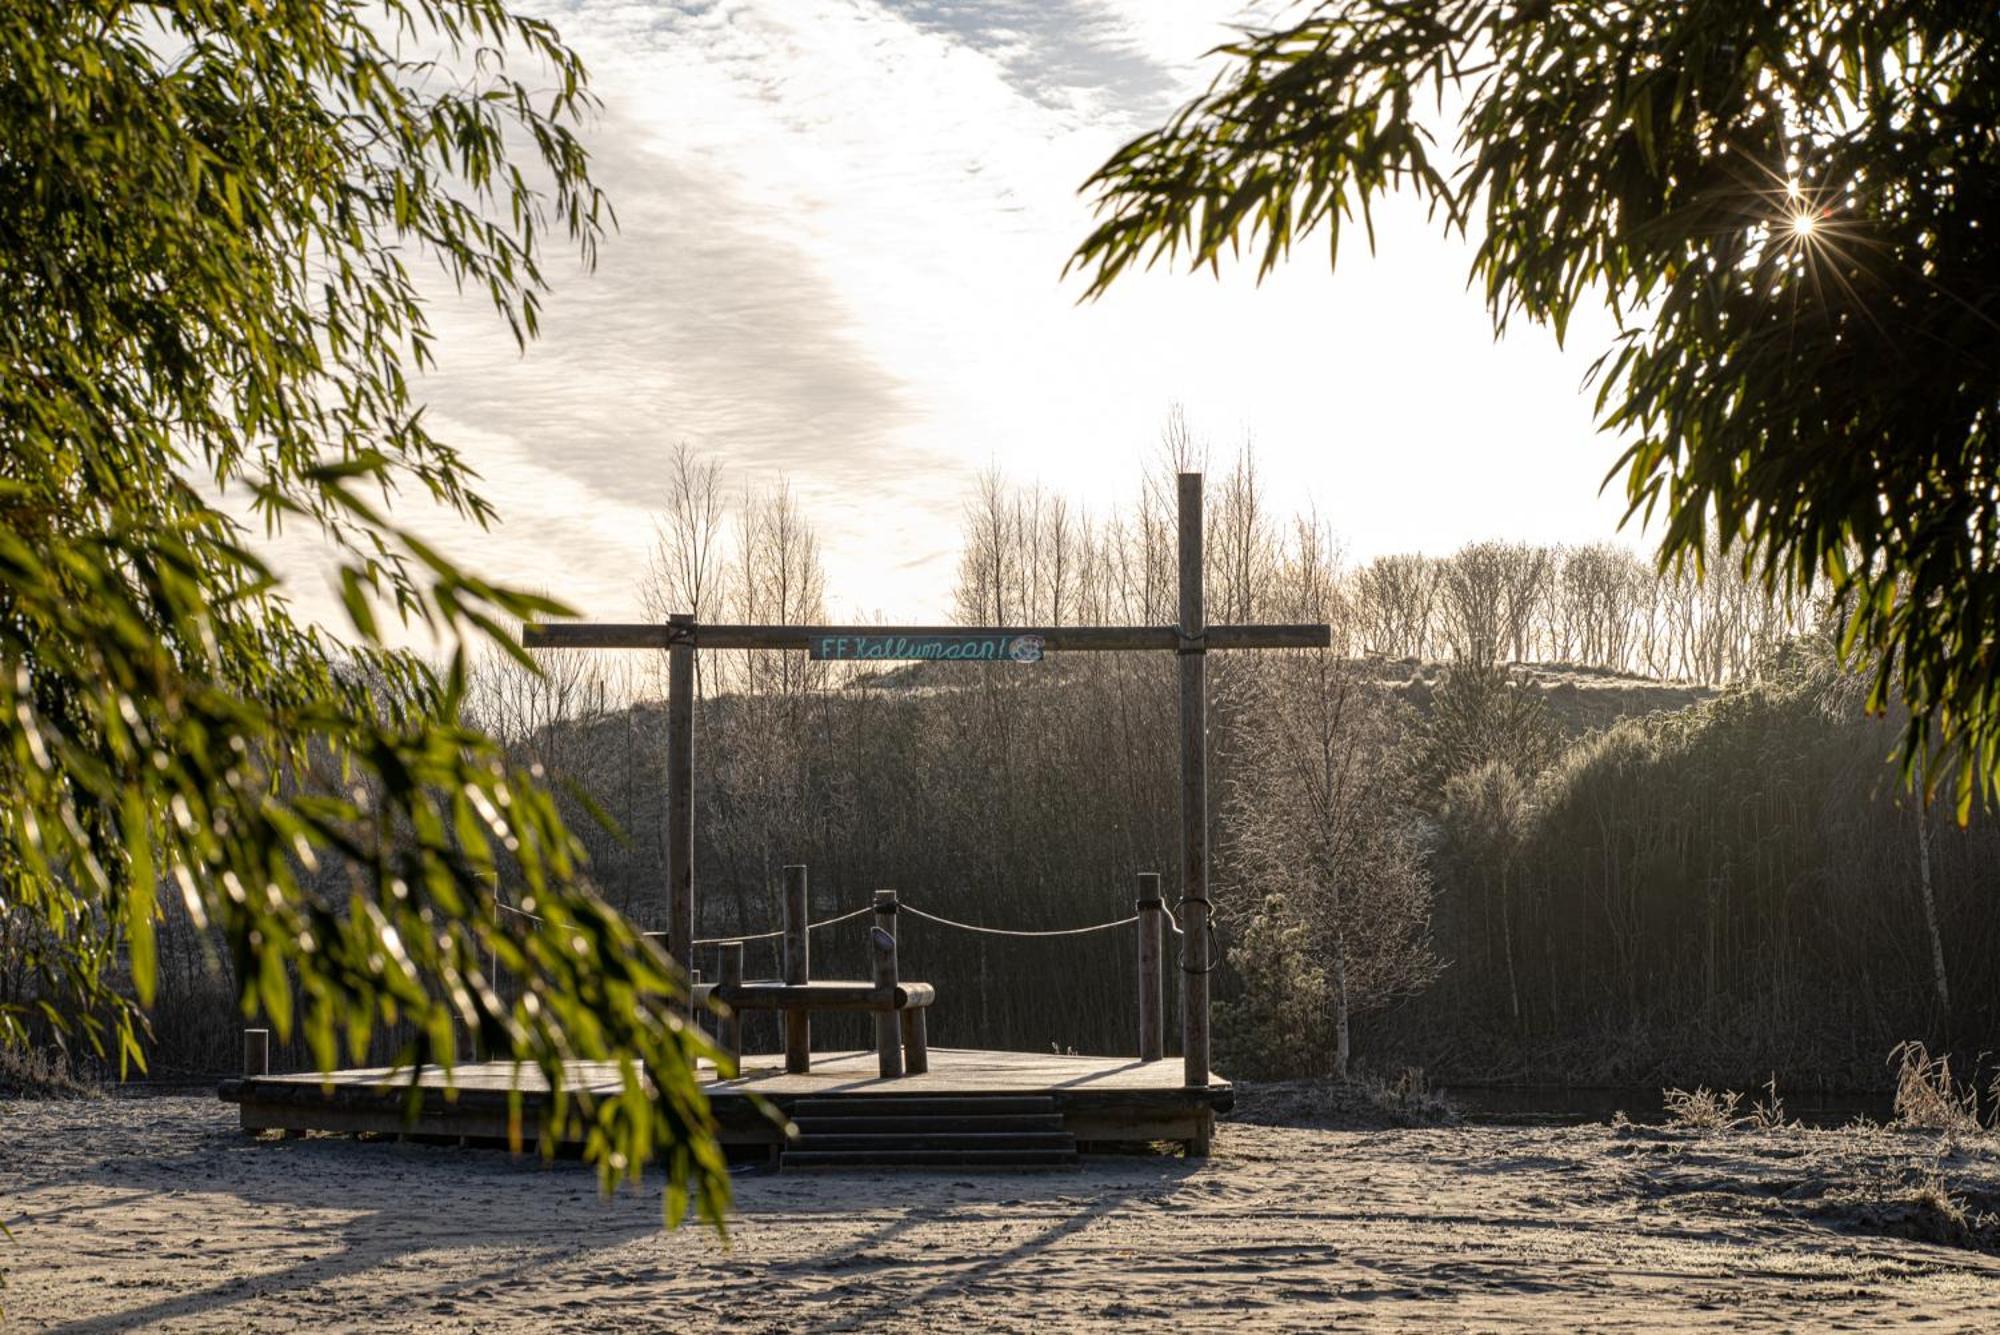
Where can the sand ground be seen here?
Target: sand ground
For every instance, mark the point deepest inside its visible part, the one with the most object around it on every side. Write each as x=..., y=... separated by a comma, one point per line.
x=157, y=1212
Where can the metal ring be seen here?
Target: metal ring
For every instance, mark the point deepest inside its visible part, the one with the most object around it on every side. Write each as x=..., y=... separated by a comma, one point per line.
x=1208, y=924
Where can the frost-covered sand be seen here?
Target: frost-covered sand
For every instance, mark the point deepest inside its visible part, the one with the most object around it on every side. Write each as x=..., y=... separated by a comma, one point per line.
x=156, y=1211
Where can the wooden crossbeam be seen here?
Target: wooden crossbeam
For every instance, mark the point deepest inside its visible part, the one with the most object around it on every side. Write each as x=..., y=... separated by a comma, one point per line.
x=1067, y=639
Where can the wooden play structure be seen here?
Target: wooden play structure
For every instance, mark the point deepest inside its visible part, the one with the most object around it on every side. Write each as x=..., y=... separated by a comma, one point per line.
x=909, y=1105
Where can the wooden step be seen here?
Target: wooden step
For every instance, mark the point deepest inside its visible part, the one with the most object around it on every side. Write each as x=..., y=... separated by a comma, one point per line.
x=927, y=1140
x=834, y=1159
x=813, y=1126
x=1006, y=1131
x=919, y=1106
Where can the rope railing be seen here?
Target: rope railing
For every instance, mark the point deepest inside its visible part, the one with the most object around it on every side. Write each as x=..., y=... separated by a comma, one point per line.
x=907, y=907
x=710, y=940
x=772, y=936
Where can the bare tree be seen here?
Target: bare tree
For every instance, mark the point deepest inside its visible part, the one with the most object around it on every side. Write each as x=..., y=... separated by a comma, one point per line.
x=989, y=565
x=778, y=580
x=1242, y=545
x=1396, y=601
x=1322, y=851
x=684, y=570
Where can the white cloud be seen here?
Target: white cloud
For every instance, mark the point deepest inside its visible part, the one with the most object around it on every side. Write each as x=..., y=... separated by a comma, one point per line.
x=842, y=226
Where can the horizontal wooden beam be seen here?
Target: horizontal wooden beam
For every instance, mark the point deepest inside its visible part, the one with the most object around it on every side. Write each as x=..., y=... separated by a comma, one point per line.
x=831, y=995
x=1068, y=639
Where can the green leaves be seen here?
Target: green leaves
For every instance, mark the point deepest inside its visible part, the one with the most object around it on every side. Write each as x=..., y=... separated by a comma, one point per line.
x=1318, y=121
x=1785, y=207
x=208, y=216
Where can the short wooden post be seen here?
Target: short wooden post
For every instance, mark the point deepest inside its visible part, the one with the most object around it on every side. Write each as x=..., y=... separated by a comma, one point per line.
x=699, y=1016
x=680, y=790
x=1195, y=961
x=798, y=971
x=916, y=1042
x=1152, y=948
x=256, y=1053
x=888, y=1042
x=729, y=1030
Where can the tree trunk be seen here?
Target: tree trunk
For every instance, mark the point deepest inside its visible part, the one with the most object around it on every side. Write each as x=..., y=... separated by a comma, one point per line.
x=1507, y=948
x=1930, y=913
x=1342, y=1048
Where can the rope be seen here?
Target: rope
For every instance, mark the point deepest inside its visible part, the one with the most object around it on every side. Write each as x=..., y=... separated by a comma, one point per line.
x=1002, y=931
x=715, y=940
x=907, y=907
x=772, y=936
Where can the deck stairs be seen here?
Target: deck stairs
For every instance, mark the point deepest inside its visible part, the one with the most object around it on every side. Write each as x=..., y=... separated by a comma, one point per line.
x=977, y=1132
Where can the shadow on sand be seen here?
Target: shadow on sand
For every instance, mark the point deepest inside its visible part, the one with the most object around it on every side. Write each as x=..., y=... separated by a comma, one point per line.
x=354, y=1208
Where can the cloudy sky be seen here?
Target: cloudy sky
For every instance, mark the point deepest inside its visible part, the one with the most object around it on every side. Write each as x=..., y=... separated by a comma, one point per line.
x=842, y=229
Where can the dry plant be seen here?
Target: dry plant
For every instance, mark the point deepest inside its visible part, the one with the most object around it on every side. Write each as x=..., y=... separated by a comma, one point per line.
x=1928, y=1098
x=1702, y=1109
x=1768, y=1113
x=1933, y=1196
x=1409, y=1098
x=44, y=1073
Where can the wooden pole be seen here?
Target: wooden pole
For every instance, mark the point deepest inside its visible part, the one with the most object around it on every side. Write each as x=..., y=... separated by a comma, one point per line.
x=1152, y=939
x=798, y=970
x=888, y=1042
x=680, y=791
x=729, y=1030
x=1195, y=962
x=256, y=1053
x=479, y=1050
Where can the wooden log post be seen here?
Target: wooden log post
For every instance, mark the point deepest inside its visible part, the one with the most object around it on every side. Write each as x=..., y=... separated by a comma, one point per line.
x=1195, y=962
x=1152, y=943
x=256, y=1053
x=916, y=1039
x=480, y=1050
x=729, y=1029
x=888, y=1041
x=911, y=1019
x=798, y=970
x=680, y=790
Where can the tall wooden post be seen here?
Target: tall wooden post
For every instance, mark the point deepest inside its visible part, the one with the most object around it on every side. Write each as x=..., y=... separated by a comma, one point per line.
x=1195, y=962
x=888, y=1042
x=1152, y=938
x=256, y=1052
x=680, y=790
x=479, y=1048
x=798, y=970
x=729, y=1031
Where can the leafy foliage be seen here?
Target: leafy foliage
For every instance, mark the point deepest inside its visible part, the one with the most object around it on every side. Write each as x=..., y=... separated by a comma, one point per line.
x=1781, y=205
x=209, y=214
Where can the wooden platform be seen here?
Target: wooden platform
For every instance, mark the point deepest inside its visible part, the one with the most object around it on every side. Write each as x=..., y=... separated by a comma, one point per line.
x=1100, y=1099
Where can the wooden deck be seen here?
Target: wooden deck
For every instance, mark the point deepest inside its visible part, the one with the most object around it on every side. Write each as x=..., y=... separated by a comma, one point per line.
x=1101, y=1099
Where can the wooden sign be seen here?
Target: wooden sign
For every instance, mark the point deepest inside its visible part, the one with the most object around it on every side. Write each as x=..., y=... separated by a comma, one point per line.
x=984, y=647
